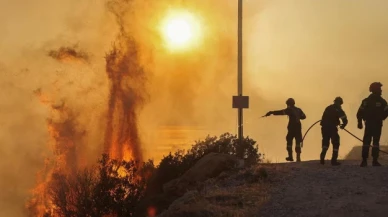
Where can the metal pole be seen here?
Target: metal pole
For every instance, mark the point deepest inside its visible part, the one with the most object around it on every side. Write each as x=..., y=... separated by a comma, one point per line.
x=239, y=74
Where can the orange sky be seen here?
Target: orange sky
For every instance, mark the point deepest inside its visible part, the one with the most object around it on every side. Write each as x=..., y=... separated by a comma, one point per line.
x=312, y=51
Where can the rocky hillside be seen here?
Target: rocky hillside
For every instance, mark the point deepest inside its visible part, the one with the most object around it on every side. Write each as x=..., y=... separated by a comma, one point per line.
x=289, y=189
x=215, y=187
x=310, y=189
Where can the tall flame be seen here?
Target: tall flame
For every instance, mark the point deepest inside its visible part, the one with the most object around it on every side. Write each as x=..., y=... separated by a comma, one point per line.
x=62, y=128
x=127, y=92
x=122, y=142
x=126, y=96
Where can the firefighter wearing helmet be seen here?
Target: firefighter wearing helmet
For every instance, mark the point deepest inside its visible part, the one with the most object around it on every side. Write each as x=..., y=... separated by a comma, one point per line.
x=294, y=127
x=329, y=123
x=373, y=111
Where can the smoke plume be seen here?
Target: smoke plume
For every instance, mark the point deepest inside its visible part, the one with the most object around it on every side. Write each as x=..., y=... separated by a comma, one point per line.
x=126, y=95
x=68, y=54
x=136, y=96
x=127, y=91
x=67, y=152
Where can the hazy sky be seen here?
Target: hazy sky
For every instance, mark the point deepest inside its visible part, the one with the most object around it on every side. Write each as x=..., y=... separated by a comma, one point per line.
x=310, y=50
x=316, y=50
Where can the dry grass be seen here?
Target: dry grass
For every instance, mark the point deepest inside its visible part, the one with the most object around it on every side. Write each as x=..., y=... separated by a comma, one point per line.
x=238, y=201
x=241, y=193
x=234, y=193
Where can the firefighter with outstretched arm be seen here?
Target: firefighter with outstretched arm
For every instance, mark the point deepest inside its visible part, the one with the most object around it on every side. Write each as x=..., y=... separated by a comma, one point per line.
x=294, y=127
x=373, y=111
x=329, y=128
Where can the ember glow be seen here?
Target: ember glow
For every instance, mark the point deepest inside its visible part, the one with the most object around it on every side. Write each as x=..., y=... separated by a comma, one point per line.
x=125, y=98
x=66, y=146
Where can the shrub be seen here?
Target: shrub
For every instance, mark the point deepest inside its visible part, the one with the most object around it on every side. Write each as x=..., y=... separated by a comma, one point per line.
x=72, y=194
x=121, y=188
x=113, y=188
x=174, y=165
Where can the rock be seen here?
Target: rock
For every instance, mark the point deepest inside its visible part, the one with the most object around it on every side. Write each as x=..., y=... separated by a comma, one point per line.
x=190, y=197
x=355, y=153
x=174, y=187
x=209, y=166
x=190, y=204
x=156, y=203
x=189, y=212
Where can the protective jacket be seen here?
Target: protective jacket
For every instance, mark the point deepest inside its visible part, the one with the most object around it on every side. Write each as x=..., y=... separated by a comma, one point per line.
x=332, y=115
x=294, y=114
x=373, y=110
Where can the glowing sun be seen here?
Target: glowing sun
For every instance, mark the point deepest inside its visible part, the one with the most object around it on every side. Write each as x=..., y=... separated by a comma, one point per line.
x=180, y=30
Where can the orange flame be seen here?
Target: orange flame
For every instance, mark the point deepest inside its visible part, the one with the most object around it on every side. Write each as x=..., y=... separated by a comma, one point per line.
x=122, y=142
x=63, y=144
x=121, y=138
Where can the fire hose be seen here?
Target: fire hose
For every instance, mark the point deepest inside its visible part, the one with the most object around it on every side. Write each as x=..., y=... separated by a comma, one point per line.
x=343, y=129
x=304, y=136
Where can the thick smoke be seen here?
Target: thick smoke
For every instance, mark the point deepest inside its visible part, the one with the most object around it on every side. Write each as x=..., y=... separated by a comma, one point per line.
x=67, y=152
x=312, y=51
x=121, y=135
x=29, y=123
x=64, y=54
x=315, y=51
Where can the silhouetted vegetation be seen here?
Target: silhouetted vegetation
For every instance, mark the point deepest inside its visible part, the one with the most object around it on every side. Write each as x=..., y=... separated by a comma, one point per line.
x=174, y=165
x=121, y=188
x=113, y=188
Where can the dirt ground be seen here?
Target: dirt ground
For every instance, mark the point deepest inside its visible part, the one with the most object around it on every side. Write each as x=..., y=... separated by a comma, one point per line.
x=311, y=189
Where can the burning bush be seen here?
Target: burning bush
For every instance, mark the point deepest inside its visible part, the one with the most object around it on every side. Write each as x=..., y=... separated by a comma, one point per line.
x=118, y=187
x=112, y=189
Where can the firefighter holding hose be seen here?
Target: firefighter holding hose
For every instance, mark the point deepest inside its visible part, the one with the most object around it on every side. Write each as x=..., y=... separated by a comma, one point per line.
x=294, y=127
x=329, y=122
x=373, y=111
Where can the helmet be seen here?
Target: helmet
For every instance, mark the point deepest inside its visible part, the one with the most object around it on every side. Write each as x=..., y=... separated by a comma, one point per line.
x=290, y=102
x=338, y=100
x=375, y=87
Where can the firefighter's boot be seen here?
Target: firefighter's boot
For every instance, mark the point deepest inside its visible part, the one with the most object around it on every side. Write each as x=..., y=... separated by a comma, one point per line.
x=364, y=163
x=298, y=157
x=289, y=158
x=334, y=158
x=322, y=157
x=375, y=163
x=335, y=163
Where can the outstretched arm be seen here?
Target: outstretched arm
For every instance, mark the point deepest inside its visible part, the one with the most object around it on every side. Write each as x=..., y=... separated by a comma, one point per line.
x=280, y=112
x=277, y=112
